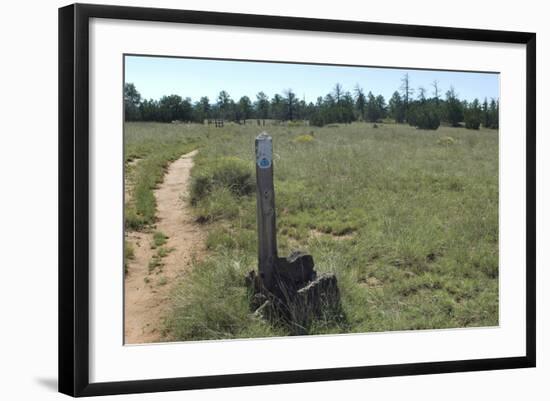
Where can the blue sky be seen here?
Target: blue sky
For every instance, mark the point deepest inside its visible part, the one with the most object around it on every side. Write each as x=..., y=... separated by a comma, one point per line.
x=155, y=77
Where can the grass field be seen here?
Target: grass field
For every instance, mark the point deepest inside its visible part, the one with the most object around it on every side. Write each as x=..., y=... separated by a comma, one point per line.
x=406, y=219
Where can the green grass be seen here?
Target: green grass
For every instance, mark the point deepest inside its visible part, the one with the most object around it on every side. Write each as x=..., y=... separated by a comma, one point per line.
x=159, y=239
x=406, y=219
x=156, y=263
x=212, y=303
x=163, y=251
x=227, y=173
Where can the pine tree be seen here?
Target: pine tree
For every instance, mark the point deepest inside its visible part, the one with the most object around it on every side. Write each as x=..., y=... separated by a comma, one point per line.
x=454, y=112
x=261, y=106
x=472, y=115
x=132, y=100
x=485, y=110
x=360, y=101
x=290, y=103
x=397, y=108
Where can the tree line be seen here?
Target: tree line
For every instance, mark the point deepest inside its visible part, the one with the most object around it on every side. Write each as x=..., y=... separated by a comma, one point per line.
x=415, y=107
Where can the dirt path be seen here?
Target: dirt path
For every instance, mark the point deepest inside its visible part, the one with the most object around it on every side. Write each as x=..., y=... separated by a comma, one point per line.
x=147, y=289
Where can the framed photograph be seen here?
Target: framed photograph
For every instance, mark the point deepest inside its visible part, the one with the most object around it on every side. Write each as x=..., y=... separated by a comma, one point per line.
x=251, y=199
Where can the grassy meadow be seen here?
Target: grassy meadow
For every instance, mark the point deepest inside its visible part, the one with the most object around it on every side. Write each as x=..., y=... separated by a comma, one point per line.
x=407, y=220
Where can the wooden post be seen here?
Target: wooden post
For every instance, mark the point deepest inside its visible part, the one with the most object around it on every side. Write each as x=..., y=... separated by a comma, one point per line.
x=285, y=290
x=265, y=210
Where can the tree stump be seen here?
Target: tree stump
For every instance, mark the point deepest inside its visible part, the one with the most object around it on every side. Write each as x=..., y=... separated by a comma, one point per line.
x=298, y=295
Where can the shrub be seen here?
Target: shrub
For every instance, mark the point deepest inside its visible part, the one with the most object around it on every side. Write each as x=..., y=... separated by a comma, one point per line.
x=304, y=139
x=427, y=118
x=220, y=204
x=317, y=120
x=128, y=250
x=159, y=239
x=429, y=121
x=230, y=173
x=472, y=119
x=234, y=174
x=132, y=221
x=200, y=187
x=446, y=141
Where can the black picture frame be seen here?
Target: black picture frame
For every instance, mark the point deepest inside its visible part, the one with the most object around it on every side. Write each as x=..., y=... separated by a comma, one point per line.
x=74, y=198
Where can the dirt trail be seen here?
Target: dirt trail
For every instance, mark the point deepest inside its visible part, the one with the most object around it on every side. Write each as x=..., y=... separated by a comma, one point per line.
x=147, y=292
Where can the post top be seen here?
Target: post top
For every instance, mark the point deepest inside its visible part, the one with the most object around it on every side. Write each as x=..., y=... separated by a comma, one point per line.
x=263, y=136
x=264, y=151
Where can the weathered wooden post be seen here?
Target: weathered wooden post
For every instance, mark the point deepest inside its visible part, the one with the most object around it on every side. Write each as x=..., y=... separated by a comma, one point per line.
x=265, y=201
x=285, y=289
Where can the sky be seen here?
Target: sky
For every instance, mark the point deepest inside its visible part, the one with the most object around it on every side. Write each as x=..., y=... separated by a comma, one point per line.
x=155, y=77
